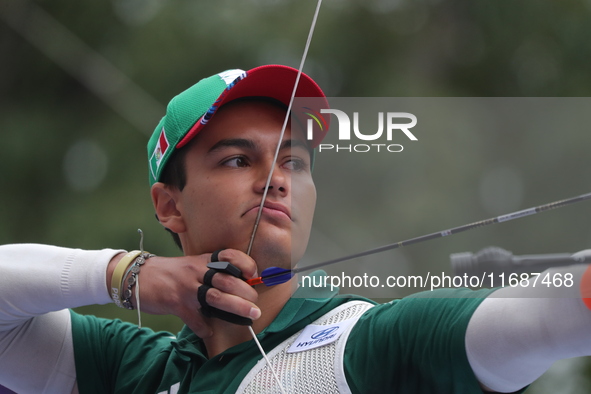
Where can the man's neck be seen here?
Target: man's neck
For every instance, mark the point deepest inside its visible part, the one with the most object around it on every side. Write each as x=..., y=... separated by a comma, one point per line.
x=226, y=335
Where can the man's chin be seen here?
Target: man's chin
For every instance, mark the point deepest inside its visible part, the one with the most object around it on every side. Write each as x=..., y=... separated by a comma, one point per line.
x=267, y=254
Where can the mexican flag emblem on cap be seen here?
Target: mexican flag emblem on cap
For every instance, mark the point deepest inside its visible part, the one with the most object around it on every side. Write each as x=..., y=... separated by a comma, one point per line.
x=159, y=151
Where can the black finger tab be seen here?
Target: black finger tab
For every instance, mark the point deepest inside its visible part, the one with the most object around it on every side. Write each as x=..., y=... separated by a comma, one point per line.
x=202, y=298
x=230, y=317
x=208, y=277
x=208, y=310
x=215, y=255
x=226, y=268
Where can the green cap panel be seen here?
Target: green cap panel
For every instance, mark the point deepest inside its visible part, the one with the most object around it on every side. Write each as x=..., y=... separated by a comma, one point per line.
x=183, y=111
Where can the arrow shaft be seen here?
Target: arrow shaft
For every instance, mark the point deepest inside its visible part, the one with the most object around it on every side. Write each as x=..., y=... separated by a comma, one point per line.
x=451, y=231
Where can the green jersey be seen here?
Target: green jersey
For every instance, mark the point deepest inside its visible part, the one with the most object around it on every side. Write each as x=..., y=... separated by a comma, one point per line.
x=411, y=345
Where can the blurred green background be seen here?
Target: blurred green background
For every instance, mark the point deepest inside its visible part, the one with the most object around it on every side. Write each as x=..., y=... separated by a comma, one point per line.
x=83, y=84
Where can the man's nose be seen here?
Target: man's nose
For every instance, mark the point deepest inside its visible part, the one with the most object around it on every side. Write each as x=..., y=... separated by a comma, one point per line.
x=278, y=182
x=281, y=188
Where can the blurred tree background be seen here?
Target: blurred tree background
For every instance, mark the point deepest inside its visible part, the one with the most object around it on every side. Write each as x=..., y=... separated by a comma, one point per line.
x=83, y=84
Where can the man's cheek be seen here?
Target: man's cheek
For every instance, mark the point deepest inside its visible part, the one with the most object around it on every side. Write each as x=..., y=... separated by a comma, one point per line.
x=304, y=193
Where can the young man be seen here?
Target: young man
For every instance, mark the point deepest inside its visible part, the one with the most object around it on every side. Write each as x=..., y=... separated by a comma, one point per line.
x=209, y=161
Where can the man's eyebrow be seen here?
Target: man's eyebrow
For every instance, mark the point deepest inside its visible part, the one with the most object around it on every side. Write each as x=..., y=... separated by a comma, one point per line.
x=233, y=142
x=298, y=143
x=249, y=144
x=294, y=144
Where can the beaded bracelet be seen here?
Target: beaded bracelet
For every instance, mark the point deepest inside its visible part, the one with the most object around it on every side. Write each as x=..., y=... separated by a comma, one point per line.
x=133, y=279
x=139, y=258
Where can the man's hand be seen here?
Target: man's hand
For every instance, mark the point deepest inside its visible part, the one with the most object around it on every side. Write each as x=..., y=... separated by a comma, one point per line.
x=169, y=286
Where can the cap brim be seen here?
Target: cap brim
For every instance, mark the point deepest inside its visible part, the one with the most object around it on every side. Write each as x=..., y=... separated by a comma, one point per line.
x=274, y=81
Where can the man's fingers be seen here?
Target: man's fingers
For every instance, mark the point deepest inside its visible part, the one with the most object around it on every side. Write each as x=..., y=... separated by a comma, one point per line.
x=231, y=285
x=232, y=304
x=171, y=286
x=224, y=293
x=241, y=260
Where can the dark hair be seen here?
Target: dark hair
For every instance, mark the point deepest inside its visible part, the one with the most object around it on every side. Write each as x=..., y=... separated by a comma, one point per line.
x=174, y=172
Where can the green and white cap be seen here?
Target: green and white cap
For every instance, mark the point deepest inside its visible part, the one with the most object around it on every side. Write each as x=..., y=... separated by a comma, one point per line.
x=188, y=113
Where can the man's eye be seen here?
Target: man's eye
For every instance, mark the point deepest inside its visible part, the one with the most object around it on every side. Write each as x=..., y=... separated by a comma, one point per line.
x=236, y=162
x=295, y=164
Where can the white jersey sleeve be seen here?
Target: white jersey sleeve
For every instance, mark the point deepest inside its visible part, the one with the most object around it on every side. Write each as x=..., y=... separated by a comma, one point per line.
x=518, y=332
x=38, y=283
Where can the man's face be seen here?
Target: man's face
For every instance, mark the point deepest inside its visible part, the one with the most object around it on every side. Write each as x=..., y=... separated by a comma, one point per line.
x=227, y=166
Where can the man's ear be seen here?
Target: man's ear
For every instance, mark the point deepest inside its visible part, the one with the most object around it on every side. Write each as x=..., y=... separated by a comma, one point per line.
x=165, y=200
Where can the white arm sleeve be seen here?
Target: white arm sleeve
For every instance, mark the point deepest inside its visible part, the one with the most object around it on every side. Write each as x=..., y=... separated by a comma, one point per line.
x=37, y=285
x=517, y=333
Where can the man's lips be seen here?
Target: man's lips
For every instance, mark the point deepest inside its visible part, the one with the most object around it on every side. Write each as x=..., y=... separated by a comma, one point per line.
x=273, y=209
